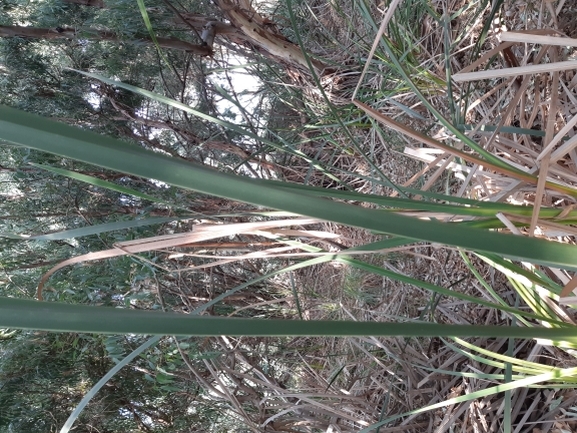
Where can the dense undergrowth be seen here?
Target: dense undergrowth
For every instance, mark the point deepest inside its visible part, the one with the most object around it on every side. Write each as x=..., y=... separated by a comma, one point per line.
x=347, y=214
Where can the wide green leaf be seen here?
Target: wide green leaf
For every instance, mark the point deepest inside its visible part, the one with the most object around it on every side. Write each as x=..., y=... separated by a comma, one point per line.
x=33, y=131
x=27, y=314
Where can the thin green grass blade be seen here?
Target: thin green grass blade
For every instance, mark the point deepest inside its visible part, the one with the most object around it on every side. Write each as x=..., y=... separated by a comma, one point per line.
x=531, y=297
x=92, y=180
x=353, y=140
x=92, y=392
x=387, y=45
x=518, y=273
x=148, y=25
x=483, y=360
x=507, y=421
x=414, y=114
x=468, y=206
x=94, y=230
x=301, y=265
x=447, y=45
x=504, y=129
x=285, y=147
x=479, y=376
x=519, y=365
x=296, y=297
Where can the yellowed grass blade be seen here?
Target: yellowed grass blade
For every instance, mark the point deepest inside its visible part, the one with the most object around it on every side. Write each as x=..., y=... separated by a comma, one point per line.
x=549, y=131
x=569, y=287
x=563, y=150
x=514, y=72
x=538, y=39
x=201, y=232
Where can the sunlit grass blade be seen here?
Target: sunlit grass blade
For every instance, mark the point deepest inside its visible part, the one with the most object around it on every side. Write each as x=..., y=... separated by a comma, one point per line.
x=480, y=376
x=517, y=272
x=519, y=365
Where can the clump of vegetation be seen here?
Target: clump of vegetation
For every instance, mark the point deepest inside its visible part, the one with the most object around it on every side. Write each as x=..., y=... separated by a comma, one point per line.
x=329, y=217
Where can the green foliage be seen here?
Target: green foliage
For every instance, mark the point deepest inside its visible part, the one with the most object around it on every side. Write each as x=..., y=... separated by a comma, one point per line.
x=44, y=375
x=41, y=374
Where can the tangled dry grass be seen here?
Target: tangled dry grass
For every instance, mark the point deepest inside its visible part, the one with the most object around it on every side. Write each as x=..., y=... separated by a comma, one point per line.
x=345, y=385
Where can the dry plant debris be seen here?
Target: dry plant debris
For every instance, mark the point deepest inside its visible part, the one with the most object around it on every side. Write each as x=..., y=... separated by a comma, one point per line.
x=521, y=109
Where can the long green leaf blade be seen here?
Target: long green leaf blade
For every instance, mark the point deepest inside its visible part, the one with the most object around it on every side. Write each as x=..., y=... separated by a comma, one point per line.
x=42, y=134
x=27, y=314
